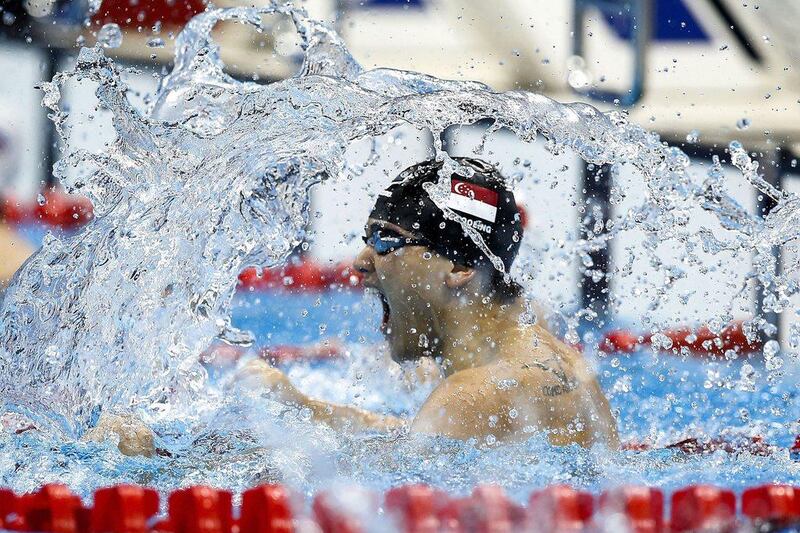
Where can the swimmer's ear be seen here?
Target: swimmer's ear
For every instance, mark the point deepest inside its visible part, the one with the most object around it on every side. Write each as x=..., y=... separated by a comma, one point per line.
x=459, y=276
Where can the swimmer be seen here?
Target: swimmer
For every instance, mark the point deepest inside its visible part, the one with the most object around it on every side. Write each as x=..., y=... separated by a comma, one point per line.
x=504, y=378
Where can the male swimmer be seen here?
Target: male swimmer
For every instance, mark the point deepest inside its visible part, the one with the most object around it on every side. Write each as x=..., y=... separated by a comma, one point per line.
x=443, y=298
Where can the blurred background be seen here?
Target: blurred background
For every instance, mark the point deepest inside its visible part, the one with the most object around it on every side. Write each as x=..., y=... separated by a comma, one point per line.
x=700, y=73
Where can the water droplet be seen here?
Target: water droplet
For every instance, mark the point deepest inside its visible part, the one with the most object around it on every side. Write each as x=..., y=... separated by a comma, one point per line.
x=40, y=199
x=771, y=348
x=110, y=36
x=693, y=136
x=156, y=42
x=506, y=384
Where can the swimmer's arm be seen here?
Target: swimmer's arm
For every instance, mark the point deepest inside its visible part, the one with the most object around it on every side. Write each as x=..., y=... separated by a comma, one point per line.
x=132, y=435
x=341, y=417
x=346, y=417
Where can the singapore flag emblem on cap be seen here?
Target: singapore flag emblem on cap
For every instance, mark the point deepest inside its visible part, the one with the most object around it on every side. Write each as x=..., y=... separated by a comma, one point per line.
x=473, y=200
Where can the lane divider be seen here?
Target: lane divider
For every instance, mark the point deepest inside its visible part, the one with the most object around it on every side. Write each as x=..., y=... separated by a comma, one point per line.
x=416, y=508
x=300, y=275
x=221, y=355
x=58, y=209
x=700, y=342
x=753, y=445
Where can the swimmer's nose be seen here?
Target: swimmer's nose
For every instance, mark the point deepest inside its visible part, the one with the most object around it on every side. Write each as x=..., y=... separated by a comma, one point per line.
x=364, y=262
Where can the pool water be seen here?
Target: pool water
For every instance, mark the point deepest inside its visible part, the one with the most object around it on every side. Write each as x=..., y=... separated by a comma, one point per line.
x=234, y=441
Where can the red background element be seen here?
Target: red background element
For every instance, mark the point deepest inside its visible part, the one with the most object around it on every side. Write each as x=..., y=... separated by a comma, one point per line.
x=132, y=13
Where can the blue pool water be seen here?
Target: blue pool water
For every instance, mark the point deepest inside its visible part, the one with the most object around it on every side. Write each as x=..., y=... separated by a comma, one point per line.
x=233, y=443
x=658, y=396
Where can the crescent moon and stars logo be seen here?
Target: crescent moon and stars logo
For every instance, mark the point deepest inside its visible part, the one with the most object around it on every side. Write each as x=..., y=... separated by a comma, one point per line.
x=464, y=190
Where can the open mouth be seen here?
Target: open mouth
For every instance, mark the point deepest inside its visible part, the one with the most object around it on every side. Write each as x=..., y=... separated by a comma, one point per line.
x=385, y=305
x=386, y=313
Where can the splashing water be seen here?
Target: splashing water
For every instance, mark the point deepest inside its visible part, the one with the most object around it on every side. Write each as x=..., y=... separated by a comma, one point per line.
x=216, y=177
x=110, y=36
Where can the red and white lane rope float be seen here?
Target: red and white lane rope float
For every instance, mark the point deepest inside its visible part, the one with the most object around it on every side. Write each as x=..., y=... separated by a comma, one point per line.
x=300, y=275
x=700, y=342
x=221, y=355
x=54, y=208
x=410, y=508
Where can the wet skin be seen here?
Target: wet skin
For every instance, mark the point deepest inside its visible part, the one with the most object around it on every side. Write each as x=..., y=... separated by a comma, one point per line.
x=504, y=379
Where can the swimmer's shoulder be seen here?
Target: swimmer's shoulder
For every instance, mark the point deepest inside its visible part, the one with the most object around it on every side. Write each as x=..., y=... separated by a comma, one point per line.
x=544, y=356
x=461, y=406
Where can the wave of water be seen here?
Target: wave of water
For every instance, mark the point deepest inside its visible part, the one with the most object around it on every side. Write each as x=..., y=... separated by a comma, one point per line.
x=216, y=176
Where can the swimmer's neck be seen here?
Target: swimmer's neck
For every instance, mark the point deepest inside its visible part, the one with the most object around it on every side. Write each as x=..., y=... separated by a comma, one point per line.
x=474, y=333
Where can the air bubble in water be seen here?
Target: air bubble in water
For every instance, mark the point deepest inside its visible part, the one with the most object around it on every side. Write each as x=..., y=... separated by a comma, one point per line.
x=693, y=136
x=40, y=199
x=743, y=123
x=156, y=42
x=109, y=36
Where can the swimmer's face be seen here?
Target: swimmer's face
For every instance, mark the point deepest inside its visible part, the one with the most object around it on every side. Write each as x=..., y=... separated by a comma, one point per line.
x=414, y=284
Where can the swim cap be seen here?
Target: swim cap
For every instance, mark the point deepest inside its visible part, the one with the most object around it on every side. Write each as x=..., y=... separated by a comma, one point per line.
x=482, y=199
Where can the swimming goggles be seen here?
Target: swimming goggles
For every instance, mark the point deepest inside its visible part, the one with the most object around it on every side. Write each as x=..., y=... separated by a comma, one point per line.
x=386, y=240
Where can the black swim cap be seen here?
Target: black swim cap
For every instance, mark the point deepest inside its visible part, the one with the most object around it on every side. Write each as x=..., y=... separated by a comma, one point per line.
x=482, y=199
